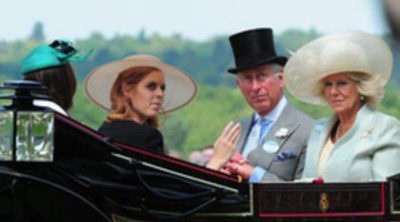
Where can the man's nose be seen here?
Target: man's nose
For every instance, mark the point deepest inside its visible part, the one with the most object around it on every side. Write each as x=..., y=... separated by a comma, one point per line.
x=255, y=83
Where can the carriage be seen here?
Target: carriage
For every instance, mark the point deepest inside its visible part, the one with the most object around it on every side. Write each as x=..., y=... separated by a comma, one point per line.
x=89, y=177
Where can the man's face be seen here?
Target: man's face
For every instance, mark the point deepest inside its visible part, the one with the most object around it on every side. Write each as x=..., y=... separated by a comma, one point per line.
x=261, y=88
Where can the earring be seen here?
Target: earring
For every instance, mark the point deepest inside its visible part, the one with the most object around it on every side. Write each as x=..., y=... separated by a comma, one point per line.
x=362, y=98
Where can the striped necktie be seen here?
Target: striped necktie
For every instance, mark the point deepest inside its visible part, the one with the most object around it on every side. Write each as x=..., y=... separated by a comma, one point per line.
x=264, y=123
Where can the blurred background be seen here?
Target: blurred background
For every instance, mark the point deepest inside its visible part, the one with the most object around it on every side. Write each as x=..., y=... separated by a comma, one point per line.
x=192, y=35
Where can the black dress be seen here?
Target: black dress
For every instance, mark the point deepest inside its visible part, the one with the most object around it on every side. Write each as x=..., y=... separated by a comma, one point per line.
x=133, y=134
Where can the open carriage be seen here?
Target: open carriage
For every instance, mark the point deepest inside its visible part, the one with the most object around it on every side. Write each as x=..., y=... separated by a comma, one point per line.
x=93, y=178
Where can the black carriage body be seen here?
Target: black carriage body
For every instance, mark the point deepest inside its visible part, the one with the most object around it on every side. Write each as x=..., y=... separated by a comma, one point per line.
x=95, y=177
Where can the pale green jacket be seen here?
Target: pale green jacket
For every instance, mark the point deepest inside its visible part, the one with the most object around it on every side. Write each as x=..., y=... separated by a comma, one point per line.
x=369, y=151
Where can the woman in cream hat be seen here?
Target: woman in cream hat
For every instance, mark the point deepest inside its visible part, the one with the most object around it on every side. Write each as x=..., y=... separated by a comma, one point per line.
x=135, y=91
x=348, y=72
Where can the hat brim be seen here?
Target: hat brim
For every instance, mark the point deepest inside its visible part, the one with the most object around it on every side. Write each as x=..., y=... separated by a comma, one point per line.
x=281, y=60
x=336, y=53
x=180, y=87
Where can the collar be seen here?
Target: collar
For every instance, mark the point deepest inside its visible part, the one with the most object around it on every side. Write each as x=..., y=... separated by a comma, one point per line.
x=50, y=104
x=275, y=113
x=362, y=114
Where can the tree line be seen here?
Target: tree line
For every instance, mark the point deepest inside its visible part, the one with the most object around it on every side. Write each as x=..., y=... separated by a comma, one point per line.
x=218, y=101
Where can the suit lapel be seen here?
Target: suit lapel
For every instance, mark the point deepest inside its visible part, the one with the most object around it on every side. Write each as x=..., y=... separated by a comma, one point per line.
x=286, y=121
x=325, y=133
x=244, y=132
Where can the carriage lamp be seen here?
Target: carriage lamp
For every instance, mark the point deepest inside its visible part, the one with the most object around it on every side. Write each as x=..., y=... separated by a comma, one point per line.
x=26, y=130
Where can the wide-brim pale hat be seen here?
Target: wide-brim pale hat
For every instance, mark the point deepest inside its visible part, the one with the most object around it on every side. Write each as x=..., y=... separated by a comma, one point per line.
x=180, y=87
x=336, y=53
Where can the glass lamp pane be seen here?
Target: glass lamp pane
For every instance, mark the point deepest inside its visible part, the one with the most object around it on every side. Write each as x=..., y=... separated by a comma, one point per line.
x=35, y=140
x=6, y=135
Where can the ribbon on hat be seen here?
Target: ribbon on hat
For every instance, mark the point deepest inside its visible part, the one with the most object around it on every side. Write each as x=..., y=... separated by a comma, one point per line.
x=67, y=51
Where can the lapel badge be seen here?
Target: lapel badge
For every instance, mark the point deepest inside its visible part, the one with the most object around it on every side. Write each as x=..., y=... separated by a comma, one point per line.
x=271, y=146
x=282, y=133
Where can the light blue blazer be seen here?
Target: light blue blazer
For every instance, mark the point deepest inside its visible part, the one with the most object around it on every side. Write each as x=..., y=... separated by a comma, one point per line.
x=369, y=151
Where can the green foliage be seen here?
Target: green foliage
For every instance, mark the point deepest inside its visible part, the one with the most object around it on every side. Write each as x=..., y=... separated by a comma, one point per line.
x=293, y=39
x=391, y=101
x=85, y=111
x=218, y=101
x=175, y=131
x=316, y=112
x=206, y=117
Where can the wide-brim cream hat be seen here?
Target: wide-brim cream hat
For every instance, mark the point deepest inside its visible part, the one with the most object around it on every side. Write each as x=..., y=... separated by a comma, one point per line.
x=180, y=87
x=335, y=53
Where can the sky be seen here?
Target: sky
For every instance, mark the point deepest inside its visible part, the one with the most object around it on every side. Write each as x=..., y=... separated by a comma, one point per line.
x=194, y=19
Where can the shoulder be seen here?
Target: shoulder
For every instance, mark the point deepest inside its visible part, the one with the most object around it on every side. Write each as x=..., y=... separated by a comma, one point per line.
x=317, y=131
x=305, y=120
x=128, y=127
x=384, y=117
x=120, y=125
x=245, y=122
x=320, y=125
x=134, y=134
x=376, y=119
x=245, y=119
x=381, y=122
x=52, y=105
x=300, y=114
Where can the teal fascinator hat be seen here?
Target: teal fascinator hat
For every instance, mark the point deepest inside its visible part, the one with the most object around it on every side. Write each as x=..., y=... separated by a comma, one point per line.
x=58, y=53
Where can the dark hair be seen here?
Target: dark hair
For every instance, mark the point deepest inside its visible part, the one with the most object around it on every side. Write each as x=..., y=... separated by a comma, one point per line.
x=60, y=81
x=120, y=107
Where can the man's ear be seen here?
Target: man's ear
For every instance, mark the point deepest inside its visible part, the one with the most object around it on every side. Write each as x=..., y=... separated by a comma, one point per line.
x=279, y=76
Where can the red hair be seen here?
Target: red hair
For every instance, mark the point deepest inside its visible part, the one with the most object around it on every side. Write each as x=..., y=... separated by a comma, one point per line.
x=120, y=107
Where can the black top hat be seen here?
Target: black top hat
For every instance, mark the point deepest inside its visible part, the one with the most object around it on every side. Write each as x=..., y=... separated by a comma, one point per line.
x=253, y=48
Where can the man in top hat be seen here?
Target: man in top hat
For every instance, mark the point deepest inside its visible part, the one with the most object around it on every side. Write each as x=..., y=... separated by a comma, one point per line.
x=272, y=140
